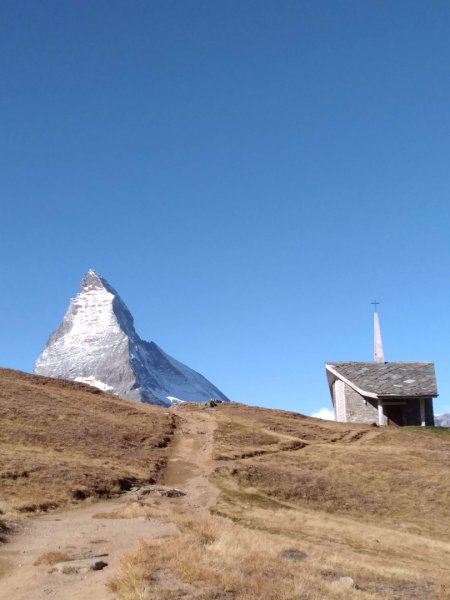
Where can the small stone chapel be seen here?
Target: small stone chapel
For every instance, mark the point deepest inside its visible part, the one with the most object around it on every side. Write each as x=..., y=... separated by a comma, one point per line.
x=384, y=393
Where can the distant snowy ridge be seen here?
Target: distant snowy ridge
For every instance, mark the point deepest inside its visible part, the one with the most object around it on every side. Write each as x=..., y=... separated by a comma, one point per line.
x=442, y=420
x=96, y=343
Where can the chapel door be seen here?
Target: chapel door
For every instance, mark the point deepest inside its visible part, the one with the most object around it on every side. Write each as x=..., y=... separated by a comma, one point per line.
x=394, y=414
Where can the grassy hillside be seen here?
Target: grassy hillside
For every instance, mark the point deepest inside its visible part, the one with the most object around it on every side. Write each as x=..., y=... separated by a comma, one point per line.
x=372, y=503
x=382, y=475
x=61, y=442
x=277, y=505
x=306, y=510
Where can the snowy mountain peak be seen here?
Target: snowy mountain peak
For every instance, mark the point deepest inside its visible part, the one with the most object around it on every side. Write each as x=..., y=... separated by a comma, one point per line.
x=96, y=341
x=93, y=280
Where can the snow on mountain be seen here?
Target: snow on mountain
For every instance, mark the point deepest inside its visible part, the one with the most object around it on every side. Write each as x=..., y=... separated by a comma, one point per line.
x=442, y=420
x=94, y=383
x=96, y=343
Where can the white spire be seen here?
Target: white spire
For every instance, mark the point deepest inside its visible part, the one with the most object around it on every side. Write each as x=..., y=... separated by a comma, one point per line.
x=377, y=341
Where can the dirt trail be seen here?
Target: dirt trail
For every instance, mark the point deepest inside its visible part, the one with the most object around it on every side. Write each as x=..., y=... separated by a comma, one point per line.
x=190, y=462
x=77, y=533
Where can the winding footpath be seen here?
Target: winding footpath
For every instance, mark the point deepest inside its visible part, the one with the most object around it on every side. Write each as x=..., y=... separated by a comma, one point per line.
x=80, y=534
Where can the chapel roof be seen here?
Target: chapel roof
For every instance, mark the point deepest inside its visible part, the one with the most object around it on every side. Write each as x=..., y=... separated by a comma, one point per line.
x=390, y=378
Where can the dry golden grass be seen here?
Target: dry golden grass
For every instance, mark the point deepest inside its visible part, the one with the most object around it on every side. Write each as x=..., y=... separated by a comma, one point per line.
x=213, y=557
x=63, y=442
x=397, y=477
x=314, y=500
x=366, y=502
x=131, y=579
x=346, y=498
x=361, y=502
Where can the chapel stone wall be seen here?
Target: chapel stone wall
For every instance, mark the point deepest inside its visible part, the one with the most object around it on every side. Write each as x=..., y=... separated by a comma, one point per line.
x=360, y=409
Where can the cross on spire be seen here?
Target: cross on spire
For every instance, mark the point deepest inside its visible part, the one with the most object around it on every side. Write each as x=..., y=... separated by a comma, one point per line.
x=375, y=304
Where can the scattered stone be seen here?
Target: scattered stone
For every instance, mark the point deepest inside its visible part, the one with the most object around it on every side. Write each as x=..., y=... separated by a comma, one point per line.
x=173, y=493
x=346, y=582
x=159, y=490
x=70, y=567
x=209, y=403
x=293, y=554
x=214, y=402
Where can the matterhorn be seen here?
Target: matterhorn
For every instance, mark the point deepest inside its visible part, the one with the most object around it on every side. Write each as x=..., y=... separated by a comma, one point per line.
x=97, y=344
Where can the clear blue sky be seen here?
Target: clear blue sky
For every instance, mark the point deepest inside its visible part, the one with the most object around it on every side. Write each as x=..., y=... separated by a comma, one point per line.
x=249, y=175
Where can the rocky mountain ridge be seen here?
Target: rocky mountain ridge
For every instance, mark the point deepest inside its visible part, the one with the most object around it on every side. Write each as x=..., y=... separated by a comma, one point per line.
x=97, y=343
x=442, y=420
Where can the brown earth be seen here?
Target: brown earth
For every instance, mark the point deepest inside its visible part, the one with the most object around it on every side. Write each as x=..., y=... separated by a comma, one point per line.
x=392, y=476
x=62, y=442
x=370, y=503
x=277, y=506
